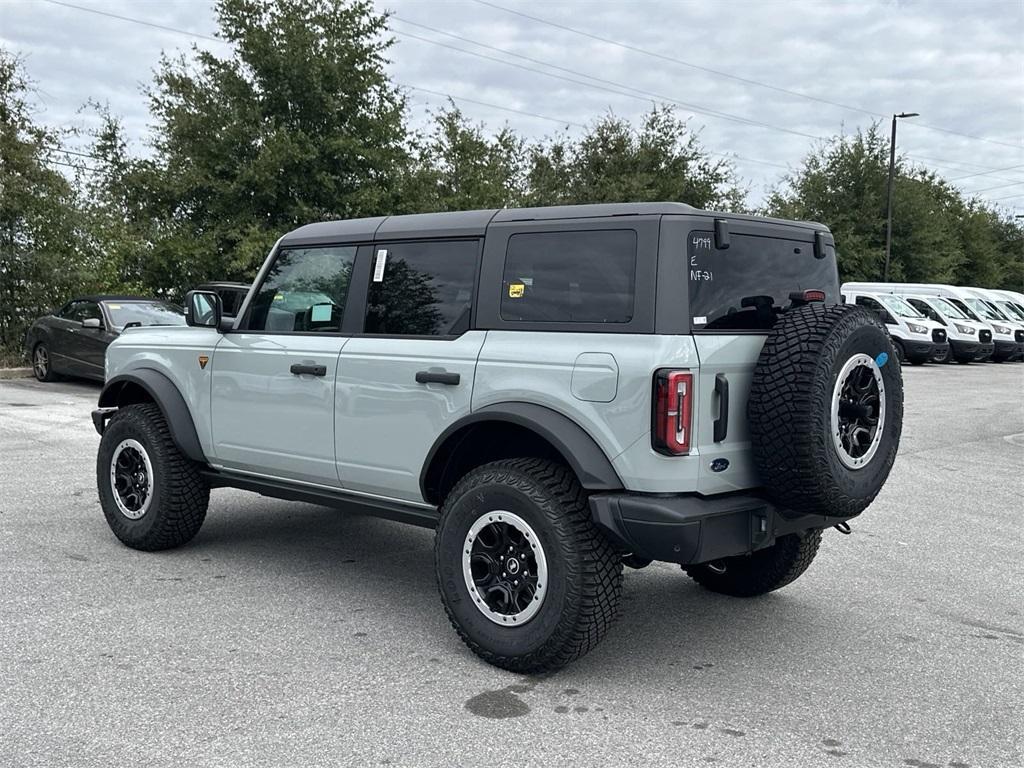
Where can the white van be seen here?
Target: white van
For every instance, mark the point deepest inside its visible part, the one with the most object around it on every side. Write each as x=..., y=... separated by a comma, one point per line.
x=1016, y=299
x=1009, y=344
x=969, y=340
x=916, y=338
x=1005, y=314
x=1007, y=306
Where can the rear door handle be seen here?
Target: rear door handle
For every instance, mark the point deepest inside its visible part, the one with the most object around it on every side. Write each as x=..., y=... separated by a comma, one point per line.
x=314, y=370
x=722, y=422
x=437, y=377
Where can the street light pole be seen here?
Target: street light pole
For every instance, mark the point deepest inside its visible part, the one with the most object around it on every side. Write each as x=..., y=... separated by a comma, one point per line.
x=888, y=208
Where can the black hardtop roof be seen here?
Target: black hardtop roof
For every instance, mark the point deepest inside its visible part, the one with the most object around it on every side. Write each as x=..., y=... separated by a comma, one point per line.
x=474, y=223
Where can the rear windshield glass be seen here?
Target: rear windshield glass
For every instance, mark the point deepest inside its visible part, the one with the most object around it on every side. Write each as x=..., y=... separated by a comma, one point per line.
x=144, y=312
x=745, y=286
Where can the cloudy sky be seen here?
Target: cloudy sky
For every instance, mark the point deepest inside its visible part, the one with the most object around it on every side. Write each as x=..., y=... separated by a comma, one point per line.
x=758, y=78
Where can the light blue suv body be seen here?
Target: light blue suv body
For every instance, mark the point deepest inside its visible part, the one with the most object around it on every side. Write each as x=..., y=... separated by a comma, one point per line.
x=382, y=364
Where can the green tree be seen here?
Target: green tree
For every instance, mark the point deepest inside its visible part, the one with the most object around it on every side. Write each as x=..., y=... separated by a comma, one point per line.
x=298, y=123
x=615, y=162
x=459, y=167
x=842, y=184
x=118, y=226
x=937, y=236
x=40, y=263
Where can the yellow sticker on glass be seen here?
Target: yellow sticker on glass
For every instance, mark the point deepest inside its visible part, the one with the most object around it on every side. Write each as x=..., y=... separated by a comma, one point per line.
x=516, y=290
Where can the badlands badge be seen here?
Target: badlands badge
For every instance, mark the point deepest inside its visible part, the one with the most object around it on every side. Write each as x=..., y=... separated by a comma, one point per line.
x=203, y=360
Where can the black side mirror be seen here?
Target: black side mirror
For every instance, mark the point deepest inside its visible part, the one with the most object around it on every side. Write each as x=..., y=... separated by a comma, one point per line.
x=92, y=322
x=202, y=309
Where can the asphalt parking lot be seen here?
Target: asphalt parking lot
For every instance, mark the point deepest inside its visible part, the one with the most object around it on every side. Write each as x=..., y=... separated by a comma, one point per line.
x=291, y=635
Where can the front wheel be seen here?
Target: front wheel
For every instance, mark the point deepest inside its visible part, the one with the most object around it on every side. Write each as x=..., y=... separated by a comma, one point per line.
x=527, y=581
x=901, y=354
x=762, y=571
x=152, y=496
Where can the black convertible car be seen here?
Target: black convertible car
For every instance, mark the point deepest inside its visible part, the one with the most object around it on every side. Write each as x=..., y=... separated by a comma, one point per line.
x=73, y=340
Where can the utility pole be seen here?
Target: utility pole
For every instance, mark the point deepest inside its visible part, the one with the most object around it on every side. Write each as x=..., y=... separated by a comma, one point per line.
x=888, y=208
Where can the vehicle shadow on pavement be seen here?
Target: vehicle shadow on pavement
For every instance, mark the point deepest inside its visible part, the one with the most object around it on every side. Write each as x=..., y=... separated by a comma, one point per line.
x=666, y=620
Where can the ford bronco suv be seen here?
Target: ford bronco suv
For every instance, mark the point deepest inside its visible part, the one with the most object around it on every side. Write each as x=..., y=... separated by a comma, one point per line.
x=558, y=392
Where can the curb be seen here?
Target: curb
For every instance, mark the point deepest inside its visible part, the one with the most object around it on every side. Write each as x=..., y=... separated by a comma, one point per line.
x=15, y=373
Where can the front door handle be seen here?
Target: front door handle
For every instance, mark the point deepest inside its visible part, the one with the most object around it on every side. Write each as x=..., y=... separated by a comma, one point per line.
x=437, y=377
x=722, y=422
x=314, y=370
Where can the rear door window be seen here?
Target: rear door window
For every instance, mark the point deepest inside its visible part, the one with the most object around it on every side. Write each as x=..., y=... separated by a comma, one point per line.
x=745, y=286
x=570, y=277
x=422, y=288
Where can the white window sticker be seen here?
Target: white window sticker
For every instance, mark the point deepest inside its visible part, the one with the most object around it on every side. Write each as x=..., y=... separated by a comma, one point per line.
x=378, y=267
x=700, y=320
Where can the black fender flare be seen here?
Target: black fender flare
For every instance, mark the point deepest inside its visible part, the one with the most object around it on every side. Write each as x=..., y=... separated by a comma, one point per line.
x=168, y=399
x=584, y=456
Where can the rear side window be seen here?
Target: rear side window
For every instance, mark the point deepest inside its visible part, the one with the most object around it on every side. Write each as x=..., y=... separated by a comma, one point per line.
x=570, y=277
x=304, y=291
x=745, y=286
x=422, y=289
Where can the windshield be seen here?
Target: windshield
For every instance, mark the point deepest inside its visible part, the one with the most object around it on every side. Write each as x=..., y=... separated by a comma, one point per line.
x=947, y=309
x=144, y=312
x=986, y=311
x=1010, y=310
x=898, y=306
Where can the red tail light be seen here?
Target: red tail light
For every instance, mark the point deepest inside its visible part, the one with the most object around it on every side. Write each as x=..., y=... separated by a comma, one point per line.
x=673, y=406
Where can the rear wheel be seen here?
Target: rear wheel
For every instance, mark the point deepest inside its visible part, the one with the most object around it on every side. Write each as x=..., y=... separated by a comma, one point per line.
x=760, y=572
x=152, y=496
x=42, y=366
x=527, y=581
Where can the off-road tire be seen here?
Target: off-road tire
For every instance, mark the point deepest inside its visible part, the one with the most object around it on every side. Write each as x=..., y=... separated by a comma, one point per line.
x=790, y=410
x=180, y=495
x=762, y=571
x=584, y=570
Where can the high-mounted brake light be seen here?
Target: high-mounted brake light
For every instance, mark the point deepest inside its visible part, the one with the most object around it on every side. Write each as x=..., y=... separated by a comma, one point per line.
x=673, y=408
x=806, y=297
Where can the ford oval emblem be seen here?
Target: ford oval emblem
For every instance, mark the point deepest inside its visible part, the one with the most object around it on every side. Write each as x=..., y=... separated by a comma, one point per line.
x=719, y=465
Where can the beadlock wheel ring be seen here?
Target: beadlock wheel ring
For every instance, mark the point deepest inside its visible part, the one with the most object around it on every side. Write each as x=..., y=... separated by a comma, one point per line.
x=858, y=411
x=505, y=568
x=131, y=479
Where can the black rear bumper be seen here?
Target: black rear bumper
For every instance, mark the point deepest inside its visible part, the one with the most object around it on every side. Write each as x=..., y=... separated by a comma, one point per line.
x=689, y=528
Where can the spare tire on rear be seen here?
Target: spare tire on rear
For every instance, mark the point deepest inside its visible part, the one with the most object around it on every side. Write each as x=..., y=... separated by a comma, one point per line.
x=826, y=410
